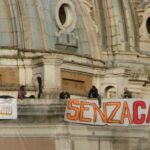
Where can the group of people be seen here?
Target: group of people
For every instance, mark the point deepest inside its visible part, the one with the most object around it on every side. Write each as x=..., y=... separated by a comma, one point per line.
x=92, y=94
x=22, y=93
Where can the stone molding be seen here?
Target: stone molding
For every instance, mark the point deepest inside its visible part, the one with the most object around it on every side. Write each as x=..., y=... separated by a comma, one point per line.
x=74, y=130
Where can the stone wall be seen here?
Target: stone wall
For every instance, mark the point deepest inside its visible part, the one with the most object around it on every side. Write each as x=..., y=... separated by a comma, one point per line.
x=40, y=125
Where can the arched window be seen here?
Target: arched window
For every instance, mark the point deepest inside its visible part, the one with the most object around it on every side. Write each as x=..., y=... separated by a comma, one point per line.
x=110, y=92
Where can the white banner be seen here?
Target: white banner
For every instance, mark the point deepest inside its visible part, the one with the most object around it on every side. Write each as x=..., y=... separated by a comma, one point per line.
x=112, y=112
x=8, y=108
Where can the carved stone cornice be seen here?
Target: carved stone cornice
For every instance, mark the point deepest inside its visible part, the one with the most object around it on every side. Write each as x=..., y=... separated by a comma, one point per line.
x=53, y=59
x=140, y=77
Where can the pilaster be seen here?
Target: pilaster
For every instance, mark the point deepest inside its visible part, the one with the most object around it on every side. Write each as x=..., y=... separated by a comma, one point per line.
x=50, y=69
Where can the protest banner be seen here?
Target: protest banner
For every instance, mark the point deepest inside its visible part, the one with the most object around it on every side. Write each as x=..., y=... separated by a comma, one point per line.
x=8, y=108
x=112, y=112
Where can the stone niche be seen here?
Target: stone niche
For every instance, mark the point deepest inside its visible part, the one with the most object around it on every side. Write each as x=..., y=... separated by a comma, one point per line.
x=76, y=83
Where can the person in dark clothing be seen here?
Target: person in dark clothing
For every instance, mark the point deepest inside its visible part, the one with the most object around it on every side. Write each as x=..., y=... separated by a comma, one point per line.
x=64, y=95
x=22, y=92
x=127, y=93
x=39, y=87
x=93, y=93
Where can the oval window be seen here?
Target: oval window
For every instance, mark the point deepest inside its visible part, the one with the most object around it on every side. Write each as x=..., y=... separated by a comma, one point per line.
x=65, y=15
x=62, y=14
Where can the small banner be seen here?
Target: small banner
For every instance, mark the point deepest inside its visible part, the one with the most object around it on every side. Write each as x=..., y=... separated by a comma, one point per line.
x=8, y=108
x=122, y=112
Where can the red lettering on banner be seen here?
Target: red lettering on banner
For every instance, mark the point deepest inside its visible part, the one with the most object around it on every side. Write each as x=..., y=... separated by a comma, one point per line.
x=75, y=109
x=112, y=112
x=82, y=109
x=148, y=116
x=126, y=113
x=112, y=115
x=136, y=118
x=103, y=114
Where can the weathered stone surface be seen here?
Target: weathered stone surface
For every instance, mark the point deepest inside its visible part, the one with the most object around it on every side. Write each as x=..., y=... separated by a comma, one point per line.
x=98, y=42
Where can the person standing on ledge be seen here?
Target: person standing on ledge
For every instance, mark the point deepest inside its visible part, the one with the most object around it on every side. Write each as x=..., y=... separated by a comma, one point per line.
x=93, y=93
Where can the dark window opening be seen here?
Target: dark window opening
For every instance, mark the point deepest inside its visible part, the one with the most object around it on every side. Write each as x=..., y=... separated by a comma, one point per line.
x=62, y=14
x=148, y=25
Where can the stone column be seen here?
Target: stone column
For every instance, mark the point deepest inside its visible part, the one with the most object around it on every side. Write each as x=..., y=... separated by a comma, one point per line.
x=21, y=65
x=28, y=72
x=51, y=75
